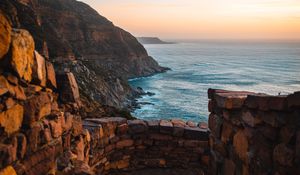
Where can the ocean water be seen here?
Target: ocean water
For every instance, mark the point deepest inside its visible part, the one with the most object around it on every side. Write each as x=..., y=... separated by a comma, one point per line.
x=266, y=67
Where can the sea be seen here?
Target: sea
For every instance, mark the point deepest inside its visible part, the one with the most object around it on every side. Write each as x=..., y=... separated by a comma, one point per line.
x=271, y=67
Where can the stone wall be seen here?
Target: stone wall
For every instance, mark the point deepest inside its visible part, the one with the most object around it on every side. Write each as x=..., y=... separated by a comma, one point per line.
x=254, y=133
x=38, y=134
x=121, y=145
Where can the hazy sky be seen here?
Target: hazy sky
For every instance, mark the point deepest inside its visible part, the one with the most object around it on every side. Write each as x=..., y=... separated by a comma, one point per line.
x=196, y=19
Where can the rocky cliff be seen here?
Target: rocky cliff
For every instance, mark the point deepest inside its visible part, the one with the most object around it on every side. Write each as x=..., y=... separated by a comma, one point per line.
x=75, y=37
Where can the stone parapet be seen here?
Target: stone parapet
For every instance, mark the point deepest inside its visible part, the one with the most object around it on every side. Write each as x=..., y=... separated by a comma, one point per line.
x=124, y=145
x=254, y=133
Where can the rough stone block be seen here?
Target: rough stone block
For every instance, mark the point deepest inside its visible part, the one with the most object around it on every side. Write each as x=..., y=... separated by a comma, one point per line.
x=178, y=123
x=196, y=133
x=5, y=35
x=153, y=125
x=286, y=134
x=33, y=137
x=229, y=167
x=283, y=155
x=22, y=145
x=12, y=79
x=260, y=101
x=165, y=127
x=234, y=100
x=278, y=103
x=34, y=105
x=9, y=103
x=19, y=93
x=9, y=170
x=227, y=132
x=215, y=123
x=22, y=48
x=124, y=143
x=51, y=79
x=137, y=126
x=191, y=124
x=56, y=128
x=241, y=145
x=293, y=100
x=271, y=117
x=67, y=85
x=178, y=131
x=203, y=125
x=122, y=129
x=77, y=126
x=162, y=137
x=39, y=70
x=109, y=148
x=11, y=120
x=4, y=86
x=79, y=148
x=251, y=118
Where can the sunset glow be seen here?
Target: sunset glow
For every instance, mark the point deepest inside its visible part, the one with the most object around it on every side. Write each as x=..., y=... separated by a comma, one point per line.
x=201, y=19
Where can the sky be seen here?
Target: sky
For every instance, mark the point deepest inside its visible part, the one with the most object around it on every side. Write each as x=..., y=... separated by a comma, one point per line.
x=204, y=19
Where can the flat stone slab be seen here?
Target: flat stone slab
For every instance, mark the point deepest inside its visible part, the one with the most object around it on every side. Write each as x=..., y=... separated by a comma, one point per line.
x=196, y=133
x=117, y=120
x=137, y=126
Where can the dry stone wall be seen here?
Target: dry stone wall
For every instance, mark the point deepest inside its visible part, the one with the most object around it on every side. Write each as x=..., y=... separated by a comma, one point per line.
x=124, y=145
x=254, y=133
x=38, y=134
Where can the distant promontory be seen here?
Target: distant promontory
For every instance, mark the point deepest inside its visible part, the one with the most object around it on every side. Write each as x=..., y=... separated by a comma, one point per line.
x=152, y=40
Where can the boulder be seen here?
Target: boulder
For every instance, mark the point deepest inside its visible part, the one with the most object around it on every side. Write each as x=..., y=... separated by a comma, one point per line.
x=39, y=70
x=5, y=35
x=51, y=79
x=11, y=120
x=22, y=48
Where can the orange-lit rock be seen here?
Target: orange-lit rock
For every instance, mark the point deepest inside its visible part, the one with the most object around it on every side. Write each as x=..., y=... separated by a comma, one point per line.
x=51, y=79
x=8, y=171
x=22, y=48
x=241, y=145
x=5, y=35
x=39, y=74
x=4, y=86
x=11, y=120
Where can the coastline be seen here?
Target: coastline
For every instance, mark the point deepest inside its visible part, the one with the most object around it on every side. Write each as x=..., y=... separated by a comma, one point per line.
x=138, y=92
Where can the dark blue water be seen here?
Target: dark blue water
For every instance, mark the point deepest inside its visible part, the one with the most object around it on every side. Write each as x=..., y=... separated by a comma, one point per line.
x=268, y=67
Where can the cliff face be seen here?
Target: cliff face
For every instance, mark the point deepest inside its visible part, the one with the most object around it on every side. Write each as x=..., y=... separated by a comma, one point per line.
x=74, y=36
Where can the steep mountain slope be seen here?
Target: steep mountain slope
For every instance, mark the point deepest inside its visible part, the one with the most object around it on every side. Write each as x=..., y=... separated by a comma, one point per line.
x=74, y=36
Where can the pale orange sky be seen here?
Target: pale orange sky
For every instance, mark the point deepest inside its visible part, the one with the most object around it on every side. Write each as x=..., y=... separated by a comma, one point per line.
x=204, y=19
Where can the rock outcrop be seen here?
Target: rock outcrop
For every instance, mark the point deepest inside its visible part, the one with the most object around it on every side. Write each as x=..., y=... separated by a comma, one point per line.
x=76, y=37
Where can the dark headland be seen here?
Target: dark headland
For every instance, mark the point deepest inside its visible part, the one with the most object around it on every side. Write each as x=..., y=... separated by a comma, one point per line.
x=152, y=40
